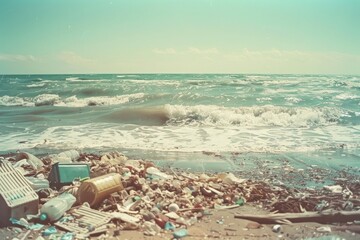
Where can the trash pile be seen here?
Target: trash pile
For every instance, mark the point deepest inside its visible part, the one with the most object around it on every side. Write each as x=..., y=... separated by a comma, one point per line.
x=76, y=196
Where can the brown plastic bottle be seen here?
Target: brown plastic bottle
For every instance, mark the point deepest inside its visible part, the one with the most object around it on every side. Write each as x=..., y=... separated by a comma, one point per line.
x=95, y=190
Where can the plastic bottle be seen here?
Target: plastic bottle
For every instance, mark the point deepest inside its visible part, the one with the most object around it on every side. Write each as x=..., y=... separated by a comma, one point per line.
x=97, y=189
x=66, y=157
x=56, y=207
x=31, y=159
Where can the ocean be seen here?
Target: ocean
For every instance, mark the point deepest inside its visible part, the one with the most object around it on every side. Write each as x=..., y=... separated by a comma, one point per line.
x=222, y=122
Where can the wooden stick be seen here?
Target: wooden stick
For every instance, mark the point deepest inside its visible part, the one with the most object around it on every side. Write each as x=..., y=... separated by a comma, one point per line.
x=329, y=216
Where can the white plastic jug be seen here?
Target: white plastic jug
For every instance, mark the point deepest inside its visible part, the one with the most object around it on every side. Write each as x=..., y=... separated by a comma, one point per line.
x=66, y=157
x=56, y=207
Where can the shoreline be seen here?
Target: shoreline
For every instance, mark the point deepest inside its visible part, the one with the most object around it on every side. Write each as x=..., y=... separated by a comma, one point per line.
x=265, y=189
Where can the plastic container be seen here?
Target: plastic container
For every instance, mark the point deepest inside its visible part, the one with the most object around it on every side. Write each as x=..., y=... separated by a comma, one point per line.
x=17, y=198
x=56, y=207
x=63, y=174
x=31, y=159
x=95, y=190
x=38, y=183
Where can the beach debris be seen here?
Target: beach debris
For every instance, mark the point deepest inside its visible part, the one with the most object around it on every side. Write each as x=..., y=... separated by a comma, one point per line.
x=230, y=178
x=56, y=207
x=113, y=158
x=321, y=206
x=169, y=226
x=64, y=174
x=156, y=173
x=151, y=229
x=65, y=157
x=17, y=198
x=86, y=221
x=35, y=162
x=129, y=194
x=276, y=228
x=21, y=222
x=95, y=190
x=125, y=217
x=324, y=229
x=49, y=231
x=347, y=206
x=334, y=188
x=38, y=183
x=180, y=233
x=173, y=207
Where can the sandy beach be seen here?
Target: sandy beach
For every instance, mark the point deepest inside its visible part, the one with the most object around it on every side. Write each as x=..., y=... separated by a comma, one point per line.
x=215, y=192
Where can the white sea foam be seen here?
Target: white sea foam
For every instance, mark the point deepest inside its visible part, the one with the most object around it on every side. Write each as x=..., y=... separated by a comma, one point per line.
x=73, y=101
x=346, y=96
x=268, y=115
x=72, y=79
x=14, y=101
x=46, y=99
x=293, y=99
x=189, y=139
x=99, y=101
x=76, y=79
x=153, y=82
x=264, y=99
x=35, y=85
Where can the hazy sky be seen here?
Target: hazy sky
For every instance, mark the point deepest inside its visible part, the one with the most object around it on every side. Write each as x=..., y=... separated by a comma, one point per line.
x=180, y=36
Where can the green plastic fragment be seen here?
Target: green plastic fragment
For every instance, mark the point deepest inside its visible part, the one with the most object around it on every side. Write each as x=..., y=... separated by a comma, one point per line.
x=180, y=234
x=240, y=202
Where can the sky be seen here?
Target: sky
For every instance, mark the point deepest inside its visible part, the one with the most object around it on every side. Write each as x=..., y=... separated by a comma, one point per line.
x=180, y=36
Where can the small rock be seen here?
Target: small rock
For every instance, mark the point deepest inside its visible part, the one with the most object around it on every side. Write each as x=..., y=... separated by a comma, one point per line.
x=253, y=225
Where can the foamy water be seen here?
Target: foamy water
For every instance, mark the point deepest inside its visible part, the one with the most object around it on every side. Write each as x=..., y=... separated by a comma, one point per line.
x=181, y=113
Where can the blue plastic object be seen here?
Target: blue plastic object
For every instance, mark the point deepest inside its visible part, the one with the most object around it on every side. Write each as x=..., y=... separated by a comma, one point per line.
x=169, y=226
x=180, y=233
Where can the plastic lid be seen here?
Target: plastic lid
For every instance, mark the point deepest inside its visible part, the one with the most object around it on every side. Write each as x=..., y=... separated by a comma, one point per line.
x=43, y=216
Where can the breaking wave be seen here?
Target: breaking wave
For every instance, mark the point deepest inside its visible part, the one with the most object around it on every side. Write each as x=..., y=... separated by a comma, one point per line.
x=268, y=115
x=73, y=101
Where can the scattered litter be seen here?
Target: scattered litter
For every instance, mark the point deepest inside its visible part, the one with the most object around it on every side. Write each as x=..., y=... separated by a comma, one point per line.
x=180, y=233
x=17, y=198
x=334, y=188
x=55, y=208
x=324, y=229
x=97, y=189
x=49, y=231
x=154, y=172
x=64, y=174
x=169, y=226
x=93, y=194
x=31, y=159
x=276, y=228
x=65, y=157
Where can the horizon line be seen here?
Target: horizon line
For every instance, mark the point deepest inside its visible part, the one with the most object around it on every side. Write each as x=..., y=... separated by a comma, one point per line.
x=189, y=73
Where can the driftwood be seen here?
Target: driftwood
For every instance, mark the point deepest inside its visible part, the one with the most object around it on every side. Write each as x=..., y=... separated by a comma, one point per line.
x=329, y=216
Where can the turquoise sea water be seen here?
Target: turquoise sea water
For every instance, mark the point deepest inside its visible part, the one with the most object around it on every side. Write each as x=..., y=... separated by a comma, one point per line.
x=179, y=117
